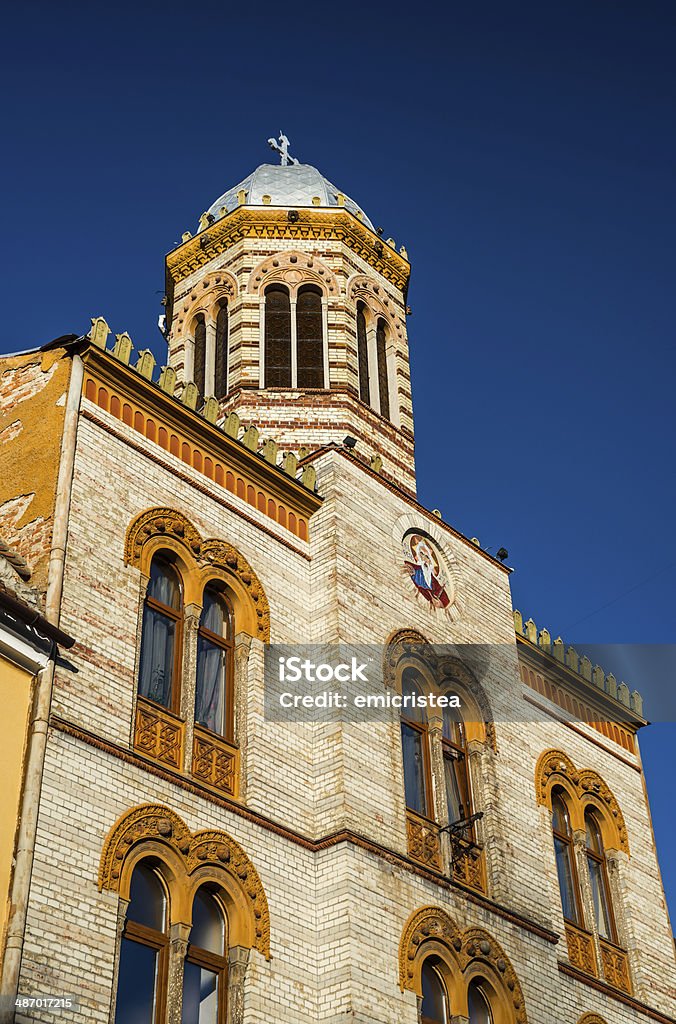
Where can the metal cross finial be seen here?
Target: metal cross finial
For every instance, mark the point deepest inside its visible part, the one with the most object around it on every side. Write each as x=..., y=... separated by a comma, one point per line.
x=282, y=147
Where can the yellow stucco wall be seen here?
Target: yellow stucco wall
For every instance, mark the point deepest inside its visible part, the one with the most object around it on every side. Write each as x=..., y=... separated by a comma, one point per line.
x=15, y=696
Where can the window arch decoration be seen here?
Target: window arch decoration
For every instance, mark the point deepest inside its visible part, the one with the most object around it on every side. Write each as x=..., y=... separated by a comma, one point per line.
x=409, y=647
x=378, y=302
x=293, y=269
x=205, y=296
x=591, y=1018
x=462, y=956
x=585, y=789
x=200, y=561
x=187, y=861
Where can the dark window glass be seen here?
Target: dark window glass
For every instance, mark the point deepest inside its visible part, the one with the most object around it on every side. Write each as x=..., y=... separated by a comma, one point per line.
x=277, y=338
x=160, y=636
x=205, y=963
x=214, y=665
x=598, y=876
x=200, y=353
x=565, y=864
x=456, y=770
x=221, y=366
x=310, y=342
x=383, y=387
x=414, y=745
x=141, y=982
x=363, y=355
x=433, y=1010
x=477, y=1005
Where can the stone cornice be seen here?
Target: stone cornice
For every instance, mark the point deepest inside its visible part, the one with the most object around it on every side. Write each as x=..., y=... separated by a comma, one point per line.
x=273, y=222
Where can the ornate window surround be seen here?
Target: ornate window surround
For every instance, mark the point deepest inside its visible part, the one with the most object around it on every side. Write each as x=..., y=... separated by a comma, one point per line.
x=362, y=291
x=426, y=842
x=461, y=957
x=205, y=299
x=175, y=740
x=584, y=789
x=187, y=860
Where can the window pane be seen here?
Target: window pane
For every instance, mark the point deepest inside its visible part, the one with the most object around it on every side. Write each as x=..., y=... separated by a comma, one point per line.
x=136, y=984
x=383, y=386
x=560, y=819
x=455, y=789
x=410, y=687
x=363, y=356
x=163, y=585
x=200, y=995
x=277, y=338
x=310, y=342
x=594, y=842
x=453, y=728
x=157, y=657
x=566, y=884
x=147, y=899
x=221, y=368
x=210, y=687
x=477, y=1004
x=414, y=768
x=434, y=1001
x=207, y=923
x=215, y=614
x=599, y=899
x=200, y=354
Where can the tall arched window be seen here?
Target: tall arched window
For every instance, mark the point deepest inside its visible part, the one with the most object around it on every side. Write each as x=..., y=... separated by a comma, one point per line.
x=478, y=1006
x=415, y=746
x=383, y=384
x=598, y=876
x=363, y=354
x=221, y=355
x=565, y=859
x=277, y=337
x=144, y=951
x=200, y=353
x=204, y=973
x=434, y=1009
x=310, y=338
x=456, y=769
x=161, y=637
x=213, y=693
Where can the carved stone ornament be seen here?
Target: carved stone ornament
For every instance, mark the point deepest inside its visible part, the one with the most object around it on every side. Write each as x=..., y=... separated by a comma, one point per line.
x=293, y=269
x=556, y=768
x=432, y=925
x=591, y=1018
x=201, y=555
x=161, y=825
x=373, y=295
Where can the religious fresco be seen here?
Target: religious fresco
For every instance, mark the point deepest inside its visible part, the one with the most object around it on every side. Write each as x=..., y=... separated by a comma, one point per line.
x=424, y=565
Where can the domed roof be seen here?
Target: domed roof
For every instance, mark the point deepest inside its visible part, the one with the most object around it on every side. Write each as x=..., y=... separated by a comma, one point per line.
x=293, y=185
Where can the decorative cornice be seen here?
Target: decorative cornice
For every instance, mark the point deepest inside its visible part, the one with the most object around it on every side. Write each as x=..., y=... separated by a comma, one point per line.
x=613, y=993
x=159, y=824
x=311, y=225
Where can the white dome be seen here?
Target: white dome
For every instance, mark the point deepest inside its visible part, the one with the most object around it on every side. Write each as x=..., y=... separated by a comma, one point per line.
x=294, y=185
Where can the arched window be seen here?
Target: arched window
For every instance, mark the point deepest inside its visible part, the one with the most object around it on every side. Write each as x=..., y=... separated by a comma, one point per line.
x=383, y=385
x=204, y=974
x=144, y=951
x=200, y=353
x=434, y=1008
x=363, y=354
x=598, y=876
x=221, y=355
x=456, y=769
x=213, y=694
x=277, y=337
x=565, y=858
x=310, y=338
x=478, y=1006
x=415, y=746
x=161, y=637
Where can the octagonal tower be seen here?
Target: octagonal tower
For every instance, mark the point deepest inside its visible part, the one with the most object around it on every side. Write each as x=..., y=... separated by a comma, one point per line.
x=290, y=310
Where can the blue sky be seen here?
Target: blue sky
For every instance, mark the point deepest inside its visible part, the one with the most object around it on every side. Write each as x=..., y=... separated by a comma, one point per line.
x=524, y=154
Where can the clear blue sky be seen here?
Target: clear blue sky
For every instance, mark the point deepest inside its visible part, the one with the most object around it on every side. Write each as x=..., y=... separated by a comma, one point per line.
x=523, y=153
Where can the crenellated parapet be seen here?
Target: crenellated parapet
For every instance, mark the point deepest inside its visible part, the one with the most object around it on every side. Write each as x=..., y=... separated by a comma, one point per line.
x=128, y=384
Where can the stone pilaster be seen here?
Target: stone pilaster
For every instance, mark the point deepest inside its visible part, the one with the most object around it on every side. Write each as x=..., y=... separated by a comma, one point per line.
x=178, y=947
x=240, y=698
x=238, y=958
x=191, y=622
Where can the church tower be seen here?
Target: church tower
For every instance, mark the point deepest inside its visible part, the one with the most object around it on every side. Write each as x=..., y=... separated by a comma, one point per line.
x=289, y=309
